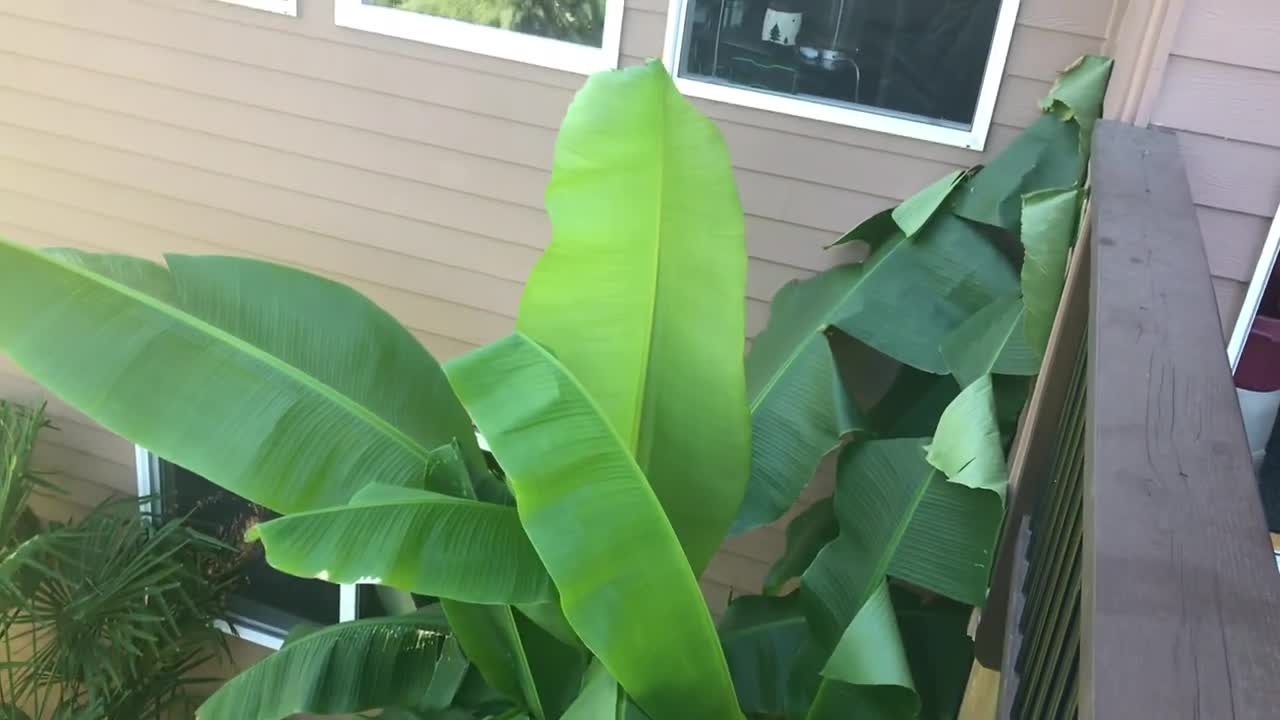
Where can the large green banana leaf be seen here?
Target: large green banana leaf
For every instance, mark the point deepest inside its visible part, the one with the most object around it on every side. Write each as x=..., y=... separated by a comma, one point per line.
x=351, y=667
x=599, y=529
x=904, y=300
x=640, y=292
x=413, y=540
x=283, y=387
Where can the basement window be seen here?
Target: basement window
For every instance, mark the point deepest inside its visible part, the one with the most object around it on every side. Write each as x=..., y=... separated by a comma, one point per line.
x=575, y=35
x=925, y=69
x=268, y=603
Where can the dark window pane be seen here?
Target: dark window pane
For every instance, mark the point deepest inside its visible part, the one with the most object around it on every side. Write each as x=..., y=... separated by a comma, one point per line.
x=577, y=21
x=921, y=58
x=267, y=596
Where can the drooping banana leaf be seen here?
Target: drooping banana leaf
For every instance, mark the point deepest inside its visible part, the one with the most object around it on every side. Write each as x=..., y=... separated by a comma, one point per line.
x=1048, y=229
x=1052, y=153
x=914, y=212
x=346, y=668
x=640, y=292
x=903, y=301
x=903, y=518
x=412, y=540
x=1045, y=155
x=993, y=340
x=807, y=534
x=599, y=529
x=762, y=636
x=1078, y=92
x=283, y=387
x=967, y=446
x=868, y=674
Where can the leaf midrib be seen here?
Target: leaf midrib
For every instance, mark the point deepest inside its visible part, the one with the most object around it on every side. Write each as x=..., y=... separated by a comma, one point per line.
x=477, y=505
x=306, y=381
x=644, y=454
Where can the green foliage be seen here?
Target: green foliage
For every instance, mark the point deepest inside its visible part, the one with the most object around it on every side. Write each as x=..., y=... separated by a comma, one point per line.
x=18, y=429
x=105, y=617
x=575, y=21
x=618, y=419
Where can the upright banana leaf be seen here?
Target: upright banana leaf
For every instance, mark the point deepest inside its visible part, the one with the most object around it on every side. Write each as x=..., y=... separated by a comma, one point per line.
x=903, y=300
x=412, y=540
x=599, y=529
x=283, y=387
x=602, y=699
x=640, y=292
x=517, y=658
x=346, y=668
x=1048, y=229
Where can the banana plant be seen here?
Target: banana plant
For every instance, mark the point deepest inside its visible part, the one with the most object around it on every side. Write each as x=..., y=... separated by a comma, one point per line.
x=626, y=435
x=908, y=538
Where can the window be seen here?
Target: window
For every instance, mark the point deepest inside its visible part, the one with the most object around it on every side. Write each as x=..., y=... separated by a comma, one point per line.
x=268, y=602
x=284, y=7
x=575, y=35
x=927, y=69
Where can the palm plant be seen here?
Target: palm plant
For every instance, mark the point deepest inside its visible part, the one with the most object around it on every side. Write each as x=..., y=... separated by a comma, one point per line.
x=105, y=617
x=624, y=433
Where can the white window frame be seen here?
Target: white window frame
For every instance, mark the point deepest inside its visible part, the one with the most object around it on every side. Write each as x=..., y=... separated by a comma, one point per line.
x=282, y=7
x=972, y=138
x=1253, y=296
x=483, y=40
x=243, y=627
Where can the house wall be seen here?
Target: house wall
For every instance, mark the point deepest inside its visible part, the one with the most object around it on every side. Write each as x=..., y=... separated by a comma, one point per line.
x=1220, y=91
x=411, y=172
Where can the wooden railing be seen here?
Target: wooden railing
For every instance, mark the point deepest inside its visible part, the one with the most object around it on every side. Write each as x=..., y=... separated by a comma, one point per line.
x=1136, y=578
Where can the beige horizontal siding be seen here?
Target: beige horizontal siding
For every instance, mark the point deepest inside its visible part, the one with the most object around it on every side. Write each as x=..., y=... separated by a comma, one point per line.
x=413, y=173
x=1221, y=92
